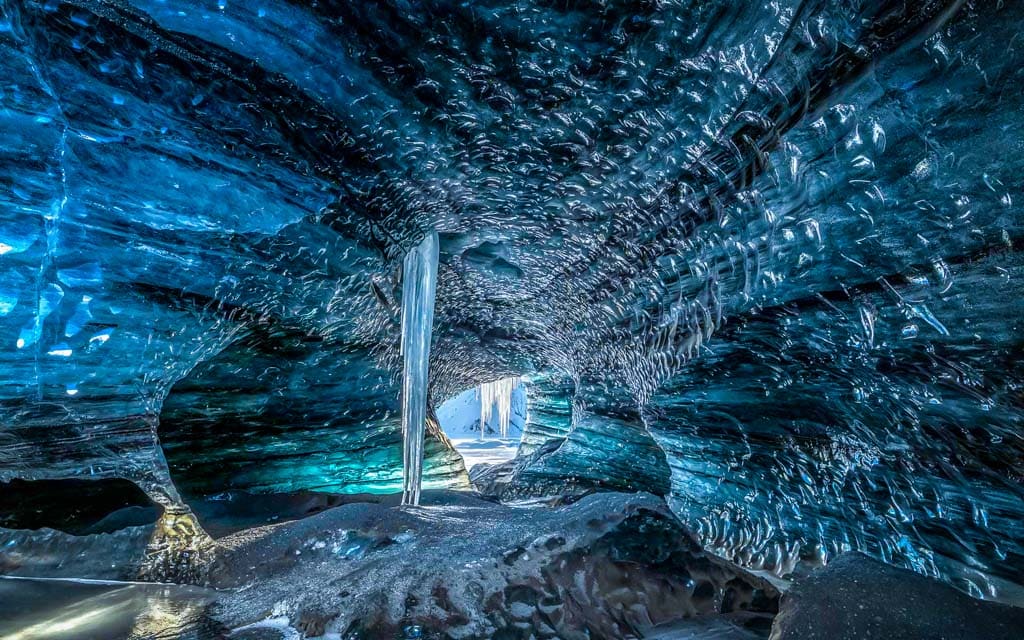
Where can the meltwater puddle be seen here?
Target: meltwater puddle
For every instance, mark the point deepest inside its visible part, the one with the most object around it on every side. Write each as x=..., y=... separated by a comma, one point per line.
x=60, y=609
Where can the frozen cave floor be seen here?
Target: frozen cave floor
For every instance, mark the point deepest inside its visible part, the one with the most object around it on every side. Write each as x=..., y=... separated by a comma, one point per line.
x=608, y=565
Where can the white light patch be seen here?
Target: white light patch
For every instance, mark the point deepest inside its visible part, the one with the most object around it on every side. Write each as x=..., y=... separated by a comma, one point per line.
x=101, y=337
x=61, y=351
x=59, y=626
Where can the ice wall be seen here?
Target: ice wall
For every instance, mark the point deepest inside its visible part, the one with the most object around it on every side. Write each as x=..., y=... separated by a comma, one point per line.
x=550, y=410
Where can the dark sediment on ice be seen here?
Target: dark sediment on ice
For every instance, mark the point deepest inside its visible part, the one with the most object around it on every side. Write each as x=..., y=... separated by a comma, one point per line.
x=604, y=565
x=856, y=597
x=234, y=511
x=610, y=565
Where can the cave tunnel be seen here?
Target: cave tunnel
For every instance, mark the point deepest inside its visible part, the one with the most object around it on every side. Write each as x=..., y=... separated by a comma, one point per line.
x=511, y=319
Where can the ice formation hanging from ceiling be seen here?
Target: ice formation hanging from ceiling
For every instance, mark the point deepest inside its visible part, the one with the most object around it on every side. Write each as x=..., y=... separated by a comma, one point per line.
x=497, y=395
x=419, y=285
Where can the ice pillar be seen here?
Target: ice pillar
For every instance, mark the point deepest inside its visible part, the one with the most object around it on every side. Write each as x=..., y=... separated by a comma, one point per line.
x=419, y=284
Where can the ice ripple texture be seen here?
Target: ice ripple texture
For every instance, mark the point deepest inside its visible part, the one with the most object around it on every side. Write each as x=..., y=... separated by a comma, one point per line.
x=763, y=258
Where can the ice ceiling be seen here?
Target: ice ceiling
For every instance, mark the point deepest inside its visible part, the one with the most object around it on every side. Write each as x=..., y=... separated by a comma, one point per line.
x=761, y=258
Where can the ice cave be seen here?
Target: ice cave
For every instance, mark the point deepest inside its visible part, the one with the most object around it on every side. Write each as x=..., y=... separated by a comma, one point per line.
x=511, y=319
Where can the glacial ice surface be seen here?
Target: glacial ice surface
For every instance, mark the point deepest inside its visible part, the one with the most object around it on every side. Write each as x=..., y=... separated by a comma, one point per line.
x=761, y=258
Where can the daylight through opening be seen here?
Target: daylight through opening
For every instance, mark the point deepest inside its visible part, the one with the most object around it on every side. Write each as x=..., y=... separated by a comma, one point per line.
x=486, y=423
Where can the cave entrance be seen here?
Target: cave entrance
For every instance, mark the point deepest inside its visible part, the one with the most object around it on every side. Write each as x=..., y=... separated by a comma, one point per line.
x=486, y=423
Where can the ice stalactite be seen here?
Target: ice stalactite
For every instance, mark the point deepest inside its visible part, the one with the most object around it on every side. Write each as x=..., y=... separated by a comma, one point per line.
x=497, y=393
x=419, y=284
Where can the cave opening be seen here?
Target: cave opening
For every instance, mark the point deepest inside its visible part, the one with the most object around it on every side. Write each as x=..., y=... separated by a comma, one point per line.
x=486, y=424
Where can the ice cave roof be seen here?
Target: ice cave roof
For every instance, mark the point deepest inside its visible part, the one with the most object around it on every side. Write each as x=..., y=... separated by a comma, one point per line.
x=762, y=258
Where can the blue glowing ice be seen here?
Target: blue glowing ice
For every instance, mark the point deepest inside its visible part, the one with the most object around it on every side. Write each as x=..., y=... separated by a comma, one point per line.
x=763, y=259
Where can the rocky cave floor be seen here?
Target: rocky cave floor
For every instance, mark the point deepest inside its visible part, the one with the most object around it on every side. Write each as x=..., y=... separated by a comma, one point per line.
x=607, y=565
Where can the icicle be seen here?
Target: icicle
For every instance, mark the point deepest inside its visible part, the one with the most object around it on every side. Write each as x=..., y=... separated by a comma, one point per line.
x=419, y=285
x=497, y=393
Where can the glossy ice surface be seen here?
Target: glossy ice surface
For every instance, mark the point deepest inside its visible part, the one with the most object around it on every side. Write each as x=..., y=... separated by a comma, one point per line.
x=761, y=257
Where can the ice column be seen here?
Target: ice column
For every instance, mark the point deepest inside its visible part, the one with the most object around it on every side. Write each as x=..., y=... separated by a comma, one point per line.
x=498, y=393
x=419, y=284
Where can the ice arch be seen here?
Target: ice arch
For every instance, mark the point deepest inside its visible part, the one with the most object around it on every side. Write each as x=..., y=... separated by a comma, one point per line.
x=290, y=420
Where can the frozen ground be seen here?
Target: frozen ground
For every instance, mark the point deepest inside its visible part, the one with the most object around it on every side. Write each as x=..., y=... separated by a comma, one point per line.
x=611, y=565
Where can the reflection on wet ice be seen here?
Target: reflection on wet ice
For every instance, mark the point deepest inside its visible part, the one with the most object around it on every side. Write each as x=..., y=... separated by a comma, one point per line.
x=36, y=609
